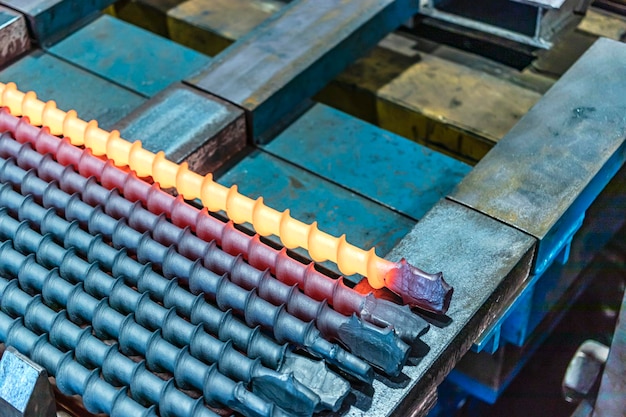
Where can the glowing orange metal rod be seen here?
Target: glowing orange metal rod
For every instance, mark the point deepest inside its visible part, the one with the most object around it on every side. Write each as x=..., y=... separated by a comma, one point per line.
x=416, y=287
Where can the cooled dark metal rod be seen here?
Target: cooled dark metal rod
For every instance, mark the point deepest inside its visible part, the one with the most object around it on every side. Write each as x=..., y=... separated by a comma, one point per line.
x=380, y=347
x=277, y=388
x=90, y=351
x=160, y=354
x=315, y=284
x=256, y=311
x=71, y=377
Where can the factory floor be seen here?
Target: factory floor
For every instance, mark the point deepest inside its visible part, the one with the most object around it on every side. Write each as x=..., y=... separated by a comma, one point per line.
x=537, y=389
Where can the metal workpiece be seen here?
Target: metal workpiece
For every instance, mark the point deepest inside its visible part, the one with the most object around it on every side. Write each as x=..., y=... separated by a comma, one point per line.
x=72, y=378
x=543, y=175
x=280, y=388
x=380, y=347
x=25, y=390
x=345, y=300
x=266, y=220
x=485, y=261
x=189, y=126
x=50, y=19
x=14, y=39
x=296, y=52
x=188, y=371
x=117, y=369
x=255, y=310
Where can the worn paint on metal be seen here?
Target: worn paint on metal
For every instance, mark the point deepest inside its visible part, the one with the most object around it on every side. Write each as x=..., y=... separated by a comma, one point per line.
x=310, y=198
x=50, y=19
x=546, y=172
x=72, y=88
x=210, y=26
x=128, y=55
x=296, y=52
x=14, y=39
x=369, y=161
x=189, y=126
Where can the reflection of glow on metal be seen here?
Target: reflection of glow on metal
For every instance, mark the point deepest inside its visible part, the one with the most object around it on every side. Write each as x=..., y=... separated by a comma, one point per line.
x=267, y=221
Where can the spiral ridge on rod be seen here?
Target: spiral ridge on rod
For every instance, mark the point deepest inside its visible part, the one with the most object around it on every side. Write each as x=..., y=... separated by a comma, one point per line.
x=401, y=277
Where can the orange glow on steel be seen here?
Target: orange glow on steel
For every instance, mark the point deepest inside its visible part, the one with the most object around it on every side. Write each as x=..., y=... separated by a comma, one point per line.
x=266, y=221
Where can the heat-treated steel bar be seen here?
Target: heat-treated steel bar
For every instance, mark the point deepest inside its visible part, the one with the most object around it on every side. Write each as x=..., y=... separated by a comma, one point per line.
x=188, y=371
x=257, y=311
x=382, y=348
x=117, y=369
x=314, y=283
x=72, y=378
x=281, y=389
x=416, y=287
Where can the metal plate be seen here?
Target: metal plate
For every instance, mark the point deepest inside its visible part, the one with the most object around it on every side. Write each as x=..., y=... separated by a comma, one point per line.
x=544, y=174
x=189, y=126
x=128, y=55
x=49, y=19
x=369, y=161
x=71, y=88
x=485, y=261
x=296, y=52
x=14, y=40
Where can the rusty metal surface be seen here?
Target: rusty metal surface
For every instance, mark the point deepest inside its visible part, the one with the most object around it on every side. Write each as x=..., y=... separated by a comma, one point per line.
x=485, y=261
x=14, y=40
x=611, y=400
x=560, y=152
x=296, y=52
x=188, y=125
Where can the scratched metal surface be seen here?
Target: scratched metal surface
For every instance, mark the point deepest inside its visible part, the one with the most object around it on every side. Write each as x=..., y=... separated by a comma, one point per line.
x=547, y=160
x=187, y=125
x=293, y=54
x=485, y=261
x=14, y=38
x=130, y=56
x=72, y=88
x=311, y=198
x=50, y=18
x=367, y=160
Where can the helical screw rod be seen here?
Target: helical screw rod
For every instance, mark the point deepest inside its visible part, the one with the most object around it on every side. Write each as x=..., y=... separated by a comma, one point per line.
x=145, y=387
x=381, y=348
x=411, y=283
x=344, y=299
x=159, y=354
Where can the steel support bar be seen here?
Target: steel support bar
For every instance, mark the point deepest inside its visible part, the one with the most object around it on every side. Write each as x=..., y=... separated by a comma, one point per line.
x=296, y=53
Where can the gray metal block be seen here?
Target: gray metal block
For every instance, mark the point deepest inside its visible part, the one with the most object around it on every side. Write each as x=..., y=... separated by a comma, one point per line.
x=189, y=126
x=24, y=387
x=14, y=40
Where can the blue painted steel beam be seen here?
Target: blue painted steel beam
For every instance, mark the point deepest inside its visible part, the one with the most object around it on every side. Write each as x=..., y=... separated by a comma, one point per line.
x=129, y=56
x=295, y=53
x=48, y=19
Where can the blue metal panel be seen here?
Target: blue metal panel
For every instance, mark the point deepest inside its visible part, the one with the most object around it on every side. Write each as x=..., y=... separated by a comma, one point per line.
x=51, y=18
x=72, y=88
x=128, y=55
x=311, y=198
x=367, y=160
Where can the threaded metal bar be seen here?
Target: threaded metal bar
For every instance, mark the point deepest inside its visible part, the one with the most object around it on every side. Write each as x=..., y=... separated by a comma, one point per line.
x=315, y=284
x=330, y=388
x=381, y=348
x=72, y=378
x=256, y=311
x=278, y=388
x=132, y=337
x=412, y=284
x=145, y=387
